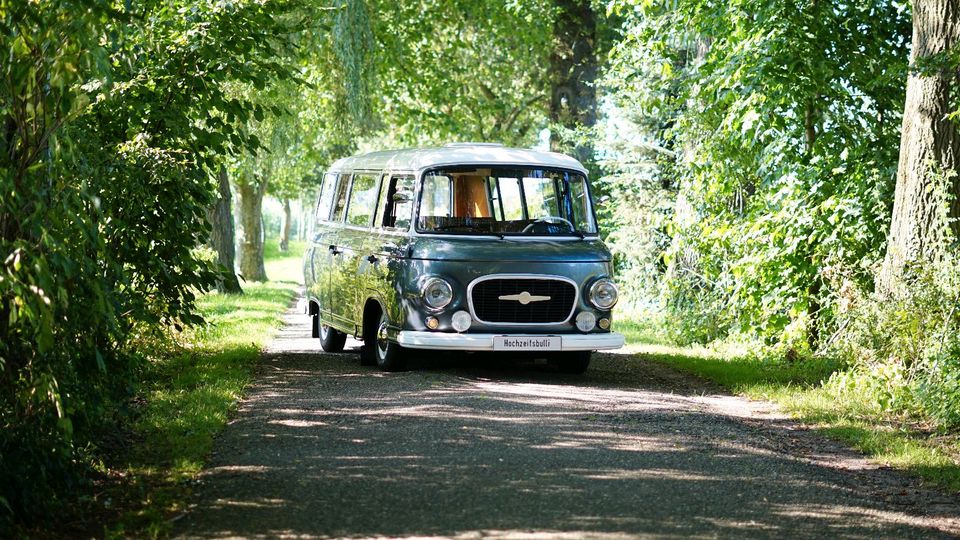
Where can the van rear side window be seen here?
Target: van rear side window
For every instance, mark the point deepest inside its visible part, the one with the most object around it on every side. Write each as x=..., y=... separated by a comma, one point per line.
x=341, y=199
x=363, y=199
x=326, y=196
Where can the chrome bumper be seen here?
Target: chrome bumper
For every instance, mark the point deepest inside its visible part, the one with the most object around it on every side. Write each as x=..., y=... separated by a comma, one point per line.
x=484, y=342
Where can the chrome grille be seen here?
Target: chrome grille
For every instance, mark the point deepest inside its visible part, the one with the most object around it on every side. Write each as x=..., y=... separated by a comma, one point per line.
x=488, y=307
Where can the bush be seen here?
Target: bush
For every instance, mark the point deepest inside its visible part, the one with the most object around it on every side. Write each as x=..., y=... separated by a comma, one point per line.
x=905, y=350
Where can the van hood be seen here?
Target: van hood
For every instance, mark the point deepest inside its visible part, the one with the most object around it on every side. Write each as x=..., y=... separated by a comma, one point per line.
x=453, y=248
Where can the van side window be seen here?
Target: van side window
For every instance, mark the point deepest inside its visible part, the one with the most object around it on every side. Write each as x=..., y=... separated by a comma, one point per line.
x=580, y=202
x=393, y=213
x=341, y=199
x=363, y=199
x=326, y=196
x=403, y=210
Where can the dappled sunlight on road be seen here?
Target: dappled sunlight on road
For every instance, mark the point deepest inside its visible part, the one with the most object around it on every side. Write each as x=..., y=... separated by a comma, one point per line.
x=456, y=448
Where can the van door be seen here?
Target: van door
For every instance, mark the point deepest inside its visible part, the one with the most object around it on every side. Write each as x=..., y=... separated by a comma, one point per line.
x=386, y=248
x=350, y=282
x=330, y=271
x=318, y=256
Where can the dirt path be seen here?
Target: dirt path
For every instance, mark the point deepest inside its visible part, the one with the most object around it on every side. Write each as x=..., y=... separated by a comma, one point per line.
x=322, y=447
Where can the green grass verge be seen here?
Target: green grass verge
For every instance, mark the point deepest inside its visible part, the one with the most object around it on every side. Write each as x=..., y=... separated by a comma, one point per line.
x=189, y=395
x=797, y=387
x=639, y=329
x=287, y=267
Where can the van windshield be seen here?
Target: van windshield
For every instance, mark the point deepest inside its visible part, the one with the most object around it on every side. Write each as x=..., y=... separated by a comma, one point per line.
x=505, y=201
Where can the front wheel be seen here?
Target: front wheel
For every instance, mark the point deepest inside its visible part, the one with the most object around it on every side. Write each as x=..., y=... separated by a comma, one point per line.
x=572, y=362
x=390, y=356
x=331, y=339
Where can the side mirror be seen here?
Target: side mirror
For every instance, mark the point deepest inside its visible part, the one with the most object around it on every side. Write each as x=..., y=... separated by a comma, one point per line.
x=402, y=197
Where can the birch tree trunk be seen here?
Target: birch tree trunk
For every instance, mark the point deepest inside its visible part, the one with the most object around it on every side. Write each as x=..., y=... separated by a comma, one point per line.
x=929, y=146
x=811, y=126
x=251, y=222
x=305, y=215
x=222, y=235
x=285, y=229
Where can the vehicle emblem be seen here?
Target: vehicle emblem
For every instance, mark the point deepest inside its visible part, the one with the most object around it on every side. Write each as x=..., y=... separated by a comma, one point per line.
x=524, y=298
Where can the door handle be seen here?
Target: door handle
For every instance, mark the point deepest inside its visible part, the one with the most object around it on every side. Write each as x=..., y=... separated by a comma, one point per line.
x=372, y=259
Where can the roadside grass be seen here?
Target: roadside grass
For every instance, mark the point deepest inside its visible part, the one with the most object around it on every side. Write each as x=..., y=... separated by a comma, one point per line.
x=639, y=329
x=798, y=388
x=286, y=267
x=189, y=393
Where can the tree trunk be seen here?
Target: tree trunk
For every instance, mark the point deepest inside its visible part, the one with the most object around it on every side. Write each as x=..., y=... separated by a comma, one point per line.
x=811, y=122
x=573, y=71
x=285, y=229
x=251, y=223
x=222, y=236
x=301, y=226
x=306, y=218
x=300, y=222
x=929, y=147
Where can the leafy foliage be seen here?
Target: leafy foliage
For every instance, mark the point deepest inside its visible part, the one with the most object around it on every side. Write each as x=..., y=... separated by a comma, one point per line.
x=784, y=119
x=463, y=69
x=758, y=173
x=112, y=119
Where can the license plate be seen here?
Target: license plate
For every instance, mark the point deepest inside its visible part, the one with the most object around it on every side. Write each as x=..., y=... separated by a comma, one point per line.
x=527, y=343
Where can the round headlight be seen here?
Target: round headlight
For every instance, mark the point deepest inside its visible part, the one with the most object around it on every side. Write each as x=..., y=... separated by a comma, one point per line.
x=604, y=294
x=436, y=292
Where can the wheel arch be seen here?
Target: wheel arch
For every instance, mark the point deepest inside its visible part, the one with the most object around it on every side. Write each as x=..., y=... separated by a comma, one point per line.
x=372, y=308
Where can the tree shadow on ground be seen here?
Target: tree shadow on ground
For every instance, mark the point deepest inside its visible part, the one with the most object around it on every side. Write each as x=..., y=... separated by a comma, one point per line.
x=462, y=447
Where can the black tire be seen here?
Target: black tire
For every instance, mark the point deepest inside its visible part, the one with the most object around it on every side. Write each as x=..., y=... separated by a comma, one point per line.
x=331, y=339
x=572, y=362
x=315, y=330
x=389, y=355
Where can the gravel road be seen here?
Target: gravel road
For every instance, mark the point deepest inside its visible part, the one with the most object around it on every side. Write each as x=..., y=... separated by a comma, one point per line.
x=322, y=447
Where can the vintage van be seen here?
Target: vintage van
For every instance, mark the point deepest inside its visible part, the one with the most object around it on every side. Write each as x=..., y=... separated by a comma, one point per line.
x=468, y=247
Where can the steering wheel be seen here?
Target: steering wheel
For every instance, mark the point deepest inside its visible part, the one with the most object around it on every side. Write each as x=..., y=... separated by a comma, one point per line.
x=549, y=220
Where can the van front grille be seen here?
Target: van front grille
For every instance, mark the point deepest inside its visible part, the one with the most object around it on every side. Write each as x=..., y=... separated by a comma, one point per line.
x=548, y=300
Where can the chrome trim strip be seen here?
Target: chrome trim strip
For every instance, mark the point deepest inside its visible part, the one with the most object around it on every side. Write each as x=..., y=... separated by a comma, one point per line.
x=484, y=342
x=543, y=277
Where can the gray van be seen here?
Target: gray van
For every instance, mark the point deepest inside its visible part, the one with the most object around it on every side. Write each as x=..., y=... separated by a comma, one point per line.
x=468, y=247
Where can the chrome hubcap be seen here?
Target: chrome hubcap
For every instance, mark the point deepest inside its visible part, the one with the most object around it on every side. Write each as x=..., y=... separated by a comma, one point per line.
x=382, y=339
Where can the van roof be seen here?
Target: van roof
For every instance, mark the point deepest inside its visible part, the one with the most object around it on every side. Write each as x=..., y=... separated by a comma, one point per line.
x=415, y=159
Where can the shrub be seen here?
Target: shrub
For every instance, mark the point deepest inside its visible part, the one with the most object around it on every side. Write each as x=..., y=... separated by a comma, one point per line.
x=905, y=350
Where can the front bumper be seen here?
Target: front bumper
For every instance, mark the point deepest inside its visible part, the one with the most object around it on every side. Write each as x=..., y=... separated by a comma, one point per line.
x=484, y=342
